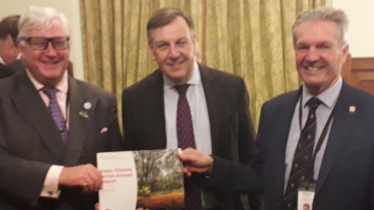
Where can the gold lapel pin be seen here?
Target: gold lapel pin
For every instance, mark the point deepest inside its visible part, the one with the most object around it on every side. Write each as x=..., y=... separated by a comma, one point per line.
x=352, y=109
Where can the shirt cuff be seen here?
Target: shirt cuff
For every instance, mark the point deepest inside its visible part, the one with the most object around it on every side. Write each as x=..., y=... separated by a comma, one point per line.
x=50, y=187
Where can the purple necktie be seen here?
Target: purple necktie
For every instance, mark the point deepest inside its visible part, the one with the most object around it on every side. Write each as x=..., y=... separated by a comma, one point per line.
x=192, y=197
x=56, y=113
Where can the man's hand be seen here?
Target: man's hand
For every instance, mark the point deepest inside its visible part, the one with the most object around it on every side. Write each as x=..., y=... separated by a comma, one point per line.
x=86, y=176
x=195, y=162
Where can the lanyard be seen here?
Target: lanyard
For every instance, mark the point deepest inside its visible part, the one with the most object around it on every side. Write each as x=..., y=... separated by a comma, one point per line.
x=310, y=165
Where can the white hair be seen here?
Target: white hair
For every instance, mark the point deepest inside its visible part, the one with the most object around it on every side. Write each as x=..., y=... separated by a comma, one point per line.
x=41, y=18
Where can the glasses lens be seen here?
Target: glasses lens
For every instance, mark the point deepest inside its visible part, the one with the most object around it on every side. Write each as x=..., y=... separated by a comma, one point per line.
x=38, y=43
x=60, y=43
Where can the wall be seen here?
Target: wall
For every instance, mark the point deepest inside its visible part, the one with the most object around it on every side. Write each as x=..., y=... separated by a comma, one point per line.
x=69, y=7
x=361, y=25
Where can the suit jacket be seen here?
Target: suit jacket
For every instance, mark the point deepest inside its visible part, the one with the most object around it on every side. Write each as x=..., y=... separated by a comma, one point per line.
x=6, y=71
x=17, y=65
x=346, y=179
x=30, y=142
x=230, y=120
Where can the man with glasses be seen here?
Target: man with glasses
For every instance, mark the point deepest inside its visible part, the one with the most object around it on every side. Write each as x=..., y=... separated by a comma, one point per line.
x=51, y=125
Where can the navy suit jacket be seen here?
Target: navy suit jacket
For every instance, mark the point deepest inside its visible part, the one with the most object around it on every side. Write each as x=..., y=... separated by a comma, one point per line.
x=346, y=179
x=228, y=108
x=30, y=142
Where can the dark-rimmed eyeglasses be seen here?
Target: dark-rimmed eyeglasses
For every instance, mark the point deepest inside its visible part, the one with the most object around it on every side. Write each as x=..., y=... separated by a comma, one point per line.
x=41, y=43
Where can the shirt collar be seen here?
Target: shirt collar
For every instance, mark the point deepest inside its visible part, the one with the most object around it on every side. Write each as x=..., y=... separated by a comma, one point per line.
x=327, y=97
x=61, y=86
x=194, y=79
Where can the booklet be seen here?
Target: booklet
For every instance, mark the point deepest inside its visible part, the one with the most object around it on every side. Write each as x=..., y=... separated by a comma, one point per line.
x=149, y=179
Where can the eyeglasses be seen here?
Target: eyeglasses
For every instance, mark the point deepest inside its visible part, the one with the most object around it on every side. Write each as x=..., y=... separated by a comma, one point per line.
x=41, y=43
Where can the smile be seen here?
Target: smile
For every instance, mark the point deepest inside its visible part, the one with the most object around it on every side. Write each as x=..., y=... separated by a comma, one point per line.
x=312, y=68
x=50, y=62
x=175, y=63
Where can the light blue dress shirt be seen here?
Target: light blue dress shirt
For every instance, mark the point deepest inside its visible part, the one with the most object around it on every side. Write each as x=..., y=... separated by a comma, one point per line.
x=328, y=99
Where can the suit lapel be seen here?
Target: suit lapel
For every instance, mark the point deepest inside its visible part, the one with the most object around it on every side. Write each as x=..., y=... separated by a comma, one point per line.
x=31, y=106
x=80, y=121
x=155, y=109
x=280, y=129
x=212, y=100
x=339, y=132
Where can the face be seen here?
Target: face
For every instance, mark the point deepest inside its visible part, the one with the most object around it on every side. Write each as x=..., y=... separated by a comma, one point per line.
x=319, y=55
x=173, y=47
x=5, y=48
x=47, y=66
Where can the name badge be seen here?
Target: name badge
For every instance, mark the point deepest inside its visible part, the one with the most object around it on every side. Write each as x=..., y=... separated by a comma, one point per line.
x=305, y=196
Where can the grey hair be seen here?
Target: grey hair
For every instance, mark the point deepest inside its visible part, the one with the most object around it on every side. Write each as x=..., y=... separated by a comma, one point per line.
x=337, y=16
x=41, y=18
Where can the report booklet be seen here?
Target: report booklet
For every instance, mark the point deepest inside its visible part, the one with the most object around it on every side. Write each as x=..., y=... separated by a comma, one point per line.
x=149, y=179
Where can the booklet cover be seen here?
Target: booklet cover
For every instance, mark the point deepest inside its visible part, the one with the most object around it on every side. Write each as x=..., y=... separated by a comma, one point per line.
x=149, y=179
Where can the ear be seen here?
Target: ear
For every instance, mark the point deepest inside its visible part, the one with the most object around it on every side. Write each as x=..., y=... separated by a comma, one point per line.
x=9, y=41
x=151, y=50
x=345, y=51
x=195, y=44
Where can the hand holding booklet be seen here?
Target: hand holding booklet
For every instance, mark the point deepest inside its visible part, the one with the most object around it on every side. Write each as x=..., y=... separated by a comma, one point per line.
x=149, y=179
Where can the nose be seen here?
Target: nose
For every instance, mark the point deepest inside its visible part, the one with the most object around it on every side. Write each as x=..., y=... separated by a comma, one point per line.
x=174, y=52
x=312, y=55
x=50, y=50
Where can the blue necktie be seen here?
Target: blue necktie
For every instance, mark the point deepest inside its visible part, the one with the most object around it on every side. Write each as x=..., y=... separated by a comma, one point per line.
x=186, y=138
x=56, y=113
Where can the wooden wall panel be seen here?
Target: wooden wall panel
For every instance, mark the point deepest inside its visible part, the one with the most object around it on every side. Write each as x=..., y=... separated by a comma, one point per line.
x=361, y=73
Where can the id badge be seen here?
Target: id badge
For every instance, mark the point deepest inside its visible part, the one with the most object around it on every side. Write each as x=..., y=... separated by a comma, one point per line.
x=305, y=196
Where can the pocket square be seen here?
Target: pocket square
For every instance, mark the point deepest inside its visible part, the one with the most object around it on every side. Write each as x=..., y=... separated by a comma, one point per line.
x=105, y=129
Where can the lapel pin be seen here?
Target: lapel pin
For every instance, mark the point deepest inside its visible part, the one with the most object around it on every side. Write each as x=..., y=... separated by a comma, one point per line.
x=87, y=105
x=352, y=109
x=83, y=114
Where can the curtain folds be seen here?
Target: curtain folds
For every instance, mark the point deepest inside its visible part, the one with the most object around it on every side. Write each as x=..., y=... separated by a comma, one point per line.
x=249, y=38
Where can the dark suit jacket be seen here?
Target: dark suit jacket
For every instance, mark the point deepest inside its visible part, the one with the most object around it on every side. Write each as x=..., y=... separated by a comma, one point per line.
x=17, y=65
x=30, y=142
x=5, y=71
x=346, y=179
x=228, y=108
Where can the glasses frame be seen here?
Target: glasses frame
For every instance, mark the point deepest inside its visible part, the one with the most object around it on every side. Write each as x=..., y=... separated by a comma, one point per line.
x=28, y=40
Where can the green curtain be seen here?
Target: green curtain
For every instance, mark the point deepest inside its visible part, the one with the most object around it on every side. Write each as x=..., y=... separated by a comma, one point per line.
x=249, y=38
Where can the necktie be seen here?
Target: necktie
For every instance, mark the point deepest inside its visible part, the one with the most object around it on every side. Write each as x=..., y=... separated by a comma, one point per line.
x=56, y=113
x=303, y=156
x=185, y=134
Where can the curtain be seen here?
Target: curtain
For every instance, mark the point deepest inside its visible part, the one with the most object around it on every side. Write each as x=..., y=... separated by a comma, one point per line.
x=249, y=38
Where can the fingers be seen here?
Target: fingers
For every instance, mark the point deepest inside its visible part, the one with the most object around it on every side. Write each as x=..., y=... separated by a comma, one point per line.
x=87, y=176
x=94, y=180
x=195, y=161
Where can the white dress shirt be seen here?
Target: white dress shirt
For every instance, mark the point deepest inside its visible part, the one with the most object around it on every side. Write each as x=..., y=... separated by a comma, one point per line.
x=50, y=188
x=199, y=111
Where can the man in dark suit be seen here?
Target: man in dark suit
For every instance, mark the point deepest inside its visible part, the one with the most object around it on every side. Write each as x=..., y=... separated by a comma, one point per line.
x=51, y=125
x=9, y=51
x=339, y=167
x=219, y=103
